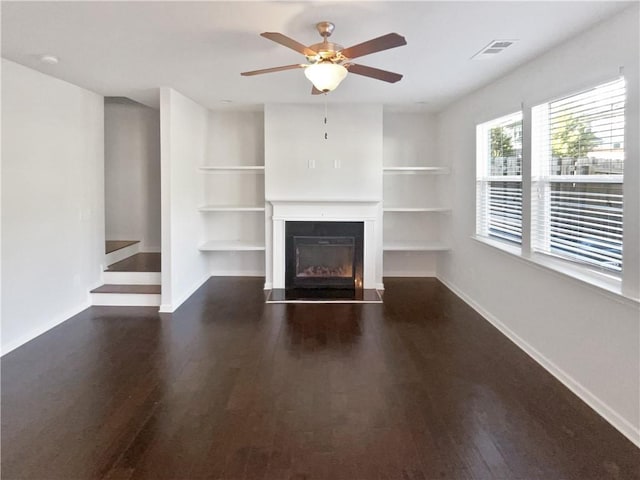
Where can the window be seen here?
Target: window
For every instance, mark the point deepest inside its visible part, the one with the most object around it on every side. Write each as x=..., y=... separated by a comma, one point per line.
x=577, y=173
x=499, y=179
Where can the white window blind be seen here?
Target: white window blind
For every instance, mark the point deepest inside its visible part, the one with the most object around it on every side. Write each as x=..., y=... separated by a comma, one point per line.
x=577, y=161
x=499, y=179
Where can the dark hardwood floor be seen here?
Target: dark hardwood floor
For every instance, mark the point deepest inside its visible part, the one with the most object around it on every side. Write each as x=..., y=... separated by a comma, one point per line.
x=419, y=387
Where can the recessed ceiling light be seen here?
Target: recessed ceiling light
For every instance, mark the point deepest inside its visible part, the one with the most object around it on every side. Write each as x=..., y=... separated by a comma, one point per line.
x=49, y=59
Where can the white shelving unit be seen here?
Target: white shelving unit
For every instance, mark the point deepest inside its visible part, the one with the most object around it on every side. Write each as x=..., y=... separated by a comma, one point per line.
x=412, y=209
x=233, y=215
x=230, y=246
x=415, y=247
x=415, y=170
x=415, y=210
x=224, y=169
x=233, y=207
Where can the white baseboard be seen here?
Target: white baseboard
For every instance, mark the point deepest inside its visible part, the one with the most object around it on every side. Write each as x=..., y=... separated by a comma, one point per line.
x=605, y=411
x=45, y=327
x=236, y=273
x=173, y=306
x=380, y=286
x=409, y=273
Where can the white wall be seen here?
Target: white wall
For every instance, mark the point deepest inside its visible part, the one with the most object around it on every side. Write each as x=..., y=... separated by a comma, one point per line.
x=132, y=173
x=294, y=137
x=183, y=126
x=587, y=337
x=235, y=138
x=409, y=139
x=52, y=201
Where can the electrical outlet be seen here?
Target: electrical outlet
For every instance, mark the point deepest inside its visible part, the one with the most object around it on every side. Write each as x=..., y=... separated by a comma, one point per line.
x=336, y=163
x=312, y=163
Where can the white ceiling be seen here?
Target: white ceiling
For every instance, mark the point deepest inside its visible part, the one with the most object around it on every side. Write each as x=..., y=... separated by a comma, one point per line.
x=199, y=48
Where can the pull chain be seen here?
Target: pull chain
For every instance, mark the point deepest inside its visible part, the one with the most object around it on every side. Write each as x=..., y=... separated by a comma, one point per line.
x=326, y=136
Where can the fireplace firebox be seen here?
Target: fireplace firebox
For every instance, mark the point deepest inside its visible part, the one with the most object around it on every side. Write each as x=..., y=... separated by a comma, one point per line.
x=323, y=255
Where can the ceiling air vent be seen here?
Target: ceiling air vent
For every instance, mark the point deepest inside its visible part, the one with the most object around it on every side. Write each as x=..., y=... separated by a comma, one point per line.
x=494, y=48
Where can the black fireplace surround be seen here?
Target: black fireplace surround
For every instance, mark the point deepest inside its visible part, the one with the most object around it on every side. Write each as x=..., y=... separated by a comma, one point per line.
x=323, y=255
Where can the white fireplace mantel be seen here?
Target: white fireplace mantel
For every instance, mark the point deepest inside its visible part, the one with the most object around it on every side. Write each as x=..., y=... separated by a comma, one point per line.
x=334, y=210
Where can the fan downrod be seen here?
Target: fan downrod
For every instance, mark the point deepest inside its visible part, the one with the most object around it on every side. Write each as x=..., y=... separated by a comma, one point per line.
x=325, y=29
x=327, y=51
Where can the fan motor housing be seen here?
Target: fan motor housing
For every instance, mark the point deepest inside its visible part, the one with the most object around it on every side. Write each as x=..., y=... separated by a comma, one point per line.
x=326, y=51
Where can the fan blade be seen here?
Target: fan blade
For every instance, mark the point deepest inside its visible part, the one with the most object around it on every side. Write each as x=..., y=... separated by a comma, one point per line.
x=271, y=70
x=315, y=91
x=289, y=42
x=385, y=42
x=376, y=73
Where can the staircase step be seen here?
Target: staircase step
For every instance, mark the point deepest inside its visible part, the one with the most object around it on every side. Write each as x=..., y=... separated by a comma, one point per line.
x=128, y=248
x=131, y=278
x=140, y=262
x=126, y=295
x=111, y=288
x=132, y=281
x=114, y=245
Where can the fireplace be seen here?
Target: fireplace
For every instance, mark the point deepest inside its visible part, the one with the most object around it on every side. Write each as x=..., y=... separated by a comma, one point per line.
x=323, y=255
x=365, y=216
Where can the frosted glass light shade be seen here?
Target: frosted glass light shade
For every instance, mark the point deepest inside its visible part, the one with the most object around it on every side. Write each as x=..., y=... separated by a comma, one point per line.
x=325, y=76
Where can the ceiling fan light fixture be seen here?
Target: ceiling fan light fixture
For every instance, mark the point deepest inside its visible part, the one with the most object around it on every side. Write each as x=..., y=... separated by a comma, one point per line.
x=329, y=63
x=325, y=76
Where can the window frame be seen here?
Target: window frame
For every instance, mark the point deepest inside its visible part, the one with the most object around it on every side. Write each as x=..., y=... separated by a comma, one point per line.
x=603, y=281
x=484, y=179
x=542, y=186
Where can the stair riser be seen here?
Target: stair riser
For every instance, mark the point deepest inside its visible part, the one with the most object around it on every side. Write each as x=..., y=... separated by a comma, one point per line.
x=126, y=299
x=126, y=252
x=132, y=278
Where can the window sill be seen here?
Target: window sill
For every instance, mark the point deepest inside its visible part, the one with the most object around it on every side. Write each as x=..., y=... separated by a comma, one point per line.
x=599, y=282
x=513, y=249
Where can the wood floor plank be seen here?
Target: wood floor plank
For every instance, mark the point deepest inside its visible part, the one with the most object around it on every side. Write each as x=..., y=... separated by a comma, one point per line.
x=227, y=387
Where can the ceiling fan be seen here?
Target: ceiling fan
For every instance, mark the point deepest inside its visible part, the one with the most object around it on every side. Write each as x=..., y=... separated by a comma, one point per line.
x=329, y=62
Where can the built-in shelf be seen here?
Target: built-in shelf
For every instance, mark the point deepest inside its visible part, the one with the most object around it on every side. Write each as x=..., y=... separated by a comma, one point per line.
x=416, y=209
x=415, y=247
x=416, y=170
x=231, y=208
x=231, y=246
x=233, y=169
